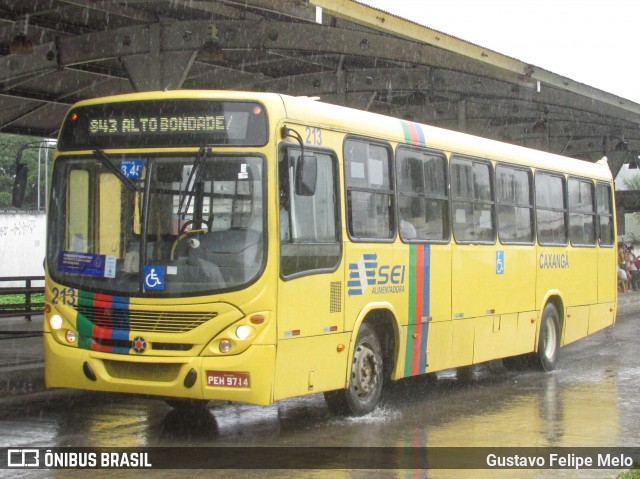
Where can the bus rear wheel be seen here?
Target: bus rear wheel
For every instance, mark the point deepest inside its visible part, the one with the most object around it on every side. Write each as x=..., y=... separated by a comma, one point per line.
x=546, y=356
x=363, y=393
x=548, y=340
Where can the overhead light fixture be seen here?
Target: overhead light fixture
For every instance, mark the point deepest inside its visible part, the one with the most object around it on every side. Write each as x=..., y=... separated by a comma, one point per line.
x=211, y=49
x=621, y=146
x=21, y=45
x=540, y=126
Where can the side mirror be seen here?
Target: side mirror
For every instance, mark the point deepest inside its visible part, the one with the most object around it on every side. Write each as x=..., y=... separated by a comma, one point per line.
x=20, y=185
x=306, y=175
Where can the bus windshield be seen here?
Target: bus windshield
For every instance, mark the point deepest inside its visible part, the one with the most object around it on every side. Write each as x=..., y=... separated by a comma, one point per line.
x=157, y=225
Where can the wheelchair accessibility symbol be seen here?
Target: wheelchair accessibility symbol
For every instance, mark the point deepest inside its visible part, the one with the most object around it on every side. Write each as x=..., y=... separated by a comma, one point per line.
x=154, y=278
x=499, y=262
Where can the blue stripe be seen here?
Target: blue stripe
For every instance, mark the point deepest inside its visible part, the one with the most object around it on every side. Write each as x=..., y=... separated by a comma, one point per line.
x=120, y=334
x=420, y=134
x=119, y=350
x=121, y=303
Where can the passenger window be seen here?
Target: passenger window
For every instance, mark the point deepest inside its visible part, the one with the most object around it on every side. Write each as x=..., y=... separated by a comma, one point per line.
x=551, y=209
x=515, y=205
x=605, y=215
x=582, y=215
x=369, y=190
x=423, y=203
x=472, y=196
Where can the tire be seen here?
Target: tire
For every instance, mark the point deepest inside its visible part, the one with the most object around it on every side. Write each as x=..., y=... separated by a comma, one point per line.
x=546, y=356
x=366, y=379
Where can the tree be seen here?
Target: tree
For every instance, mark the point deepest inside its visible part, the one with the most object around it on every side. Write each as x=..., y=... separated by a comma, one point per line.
x=9, y=147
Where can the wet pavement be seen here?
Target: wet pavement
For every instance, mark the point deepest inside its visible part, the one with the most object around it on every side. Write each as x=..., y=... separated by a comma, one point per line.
x=591, y=399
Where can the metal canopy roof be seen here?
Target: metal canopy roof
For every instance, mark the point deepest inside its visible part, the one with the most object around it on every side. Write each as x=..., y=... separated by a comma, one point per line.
x=55, y=52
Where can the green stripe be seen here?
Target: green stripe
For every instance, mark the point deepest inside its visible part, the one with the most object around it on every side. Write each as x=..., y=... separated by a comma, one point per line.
x=408, y=360
x=407, y=132
x=84, y=325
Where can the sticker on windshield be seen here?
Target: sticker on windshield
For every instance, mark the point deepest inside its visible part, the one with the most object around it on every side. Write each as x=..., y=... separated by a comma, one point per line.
x=87, y=264
x=243, y=175
x=132, y=168
x=154, y=278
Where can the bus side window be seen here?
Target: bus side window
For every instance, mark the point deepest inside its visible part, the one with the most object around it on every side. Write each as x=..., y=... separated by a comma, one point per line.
x=551, y=209
x=472, y=196
x=515, y=204
x=423, y=203
x=582, y=214
x=605, y=215
x=369, y=183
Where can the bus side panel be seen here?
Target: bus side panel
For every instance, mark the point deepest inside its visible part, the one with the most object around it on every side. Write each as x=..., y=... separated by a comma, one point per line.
x=576, y=323
x=607, y=275
x=489, y=338
x=504, y=335
x=462, y=342
x=439, y=346
x=308, y=365
x=581, y=285
x=491, y=280
x=601, y=316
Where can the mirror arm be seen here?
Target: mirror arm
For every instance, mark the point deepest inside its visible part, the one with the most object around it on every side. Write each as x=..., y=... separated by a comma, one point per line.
x=287, y=132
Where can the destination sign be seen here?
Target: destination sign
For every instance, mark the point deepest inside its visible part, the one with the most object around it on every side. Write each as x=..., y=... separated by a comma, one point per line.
x=108, y=126
x=165, y=123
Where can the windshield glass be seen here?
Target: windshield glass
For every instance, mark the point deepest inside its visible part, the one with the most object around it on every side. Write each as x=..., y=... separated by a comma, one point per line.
x=146, y=225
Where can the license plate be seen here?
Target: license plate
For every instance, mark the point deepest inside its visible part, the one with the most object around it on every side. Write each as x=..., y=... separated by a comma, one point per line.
x=227, y=379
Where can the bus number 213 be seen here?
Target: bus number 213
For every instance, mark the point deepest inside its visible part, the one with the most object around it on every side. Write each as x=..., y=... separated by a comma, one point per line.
x=314, y=136
x=64, y=296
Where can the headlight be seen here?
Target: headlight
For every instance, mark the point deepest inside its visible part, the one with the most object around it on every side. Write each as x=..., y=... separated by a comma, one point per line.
x=243, y=332
x=71, y=336
x=55, y=321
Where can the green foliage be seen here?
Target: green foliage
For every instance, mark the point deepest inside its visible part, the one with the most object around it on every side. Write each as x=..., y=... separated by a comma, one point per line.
x=21, y=298
x=632, y=183
x=9, y=147
x=632, y=474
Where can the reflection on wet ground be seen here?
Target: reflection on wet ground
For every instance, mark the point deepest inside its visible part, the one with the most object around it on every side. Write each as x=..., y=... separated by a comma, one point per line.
x=590, y=400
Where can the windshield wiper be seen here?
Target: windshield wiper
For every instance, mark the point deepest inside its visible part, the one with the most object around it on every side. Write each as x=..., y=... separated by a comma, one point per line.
x=106, y=161
x=192, y=181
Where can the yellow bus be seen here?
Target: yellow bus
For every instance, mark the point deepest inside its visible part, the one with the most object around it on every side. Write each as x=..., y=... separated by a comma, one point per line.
x=214, y=245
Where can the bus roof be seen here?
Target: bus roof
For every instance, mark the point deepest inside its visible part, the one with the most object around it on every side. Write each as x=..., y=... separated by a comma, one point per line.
x=402, y=131
x=349, y=120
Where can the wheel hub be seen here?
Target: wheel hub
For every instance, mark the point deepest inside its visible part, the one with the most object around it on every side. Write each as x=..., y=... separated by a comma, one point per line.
x=365, y=371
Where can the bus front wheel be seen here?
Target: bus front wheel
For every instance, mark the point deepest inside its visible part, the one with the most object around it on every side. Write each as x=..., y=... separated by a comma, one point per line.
x=365, y=380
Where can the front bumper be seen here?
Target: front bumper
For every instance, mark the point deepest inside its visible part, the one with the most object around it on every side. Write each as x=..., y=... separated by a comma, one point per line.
x=67, y=367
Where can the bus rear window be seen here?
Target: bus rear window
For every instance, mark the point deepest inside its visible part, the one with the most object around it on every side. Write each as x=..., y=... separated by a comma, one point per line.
x=164, y=123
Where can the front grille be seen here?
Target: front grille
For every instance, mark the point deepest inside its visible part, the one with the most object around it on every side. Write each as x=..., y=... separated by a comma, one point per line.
x=142, y=371
x=141, y=320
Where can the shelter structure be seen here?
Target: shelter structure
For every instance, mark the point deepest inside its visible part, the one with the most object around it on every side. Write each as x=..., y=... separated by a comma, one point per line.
x=54, y=52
